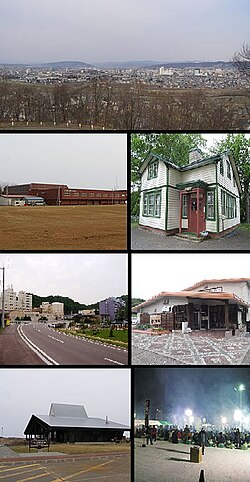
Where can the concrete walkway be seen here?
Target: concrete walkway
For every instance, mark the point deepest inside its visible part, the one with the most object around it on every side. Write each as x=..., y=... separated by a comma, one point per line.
x=164, y=461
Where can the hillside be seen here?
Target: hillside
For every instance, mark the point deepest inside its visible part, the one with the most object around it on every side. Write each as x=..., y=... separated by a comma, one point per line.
x=70, y=306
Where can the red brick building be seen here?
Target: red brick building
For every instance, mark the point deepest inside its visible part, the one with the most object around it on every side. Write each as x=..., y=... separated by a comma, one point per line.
x=61, y=194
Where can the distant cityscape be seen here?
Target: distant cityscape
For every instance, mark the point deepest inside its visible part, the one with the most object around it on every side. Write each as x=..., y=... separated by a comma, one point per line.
x=177, y=75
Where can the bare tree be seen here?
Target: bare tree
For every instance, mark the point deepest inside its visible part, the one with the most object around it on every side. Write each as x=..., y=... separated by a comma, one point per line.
x=242, y=60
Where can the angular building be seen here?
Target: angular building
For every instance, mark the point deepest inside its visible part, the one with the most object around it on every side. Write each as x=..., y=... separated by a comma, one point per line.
x=70, y=423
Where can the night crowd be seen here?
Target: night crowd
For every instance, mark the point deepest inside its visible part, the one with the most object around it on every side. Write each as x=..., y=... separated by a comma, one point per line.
x=232, y=438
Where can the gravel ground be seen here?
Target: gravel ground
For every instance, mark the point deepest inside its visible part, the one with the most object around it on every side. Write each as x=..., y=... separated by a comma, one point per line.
x=142, y=239
x=165, y=461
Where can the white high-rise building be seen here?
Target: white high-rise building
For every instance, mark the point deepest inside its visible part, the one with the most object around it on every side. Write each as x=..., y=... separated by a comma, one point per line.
x=14, y=301
x=24, y=301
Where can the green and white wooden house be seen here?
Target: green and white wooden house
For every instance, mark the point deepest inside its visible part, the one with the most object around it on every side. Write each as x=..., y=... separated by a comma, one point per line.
x=203, y=196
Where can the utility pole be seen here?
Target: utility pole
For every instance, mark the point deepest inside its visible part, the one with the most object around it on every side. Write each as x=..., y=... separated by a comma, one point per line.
x=3, y=268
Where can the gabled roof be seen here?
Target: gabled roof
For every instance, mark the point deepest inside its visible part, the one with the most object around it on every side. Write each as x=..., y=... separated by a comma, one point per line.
x=216, y=281
x=150, y=156
x=194, y=165
x=72, y=416
x=206, y=295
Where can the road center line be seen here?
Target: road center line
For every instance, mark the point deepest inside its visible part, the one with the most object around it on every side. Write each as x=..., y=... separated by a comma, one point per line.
x=56, y=339
x=114, y=361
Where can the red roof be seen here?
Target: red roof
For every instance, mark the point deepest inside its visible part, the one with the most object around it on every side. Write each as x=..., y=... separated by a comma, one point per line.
x=205, y=295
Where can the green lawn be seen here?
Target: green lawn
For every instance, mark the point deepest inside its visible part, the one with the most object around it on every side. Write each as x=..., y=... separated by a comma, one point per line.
x=245, y=226
x=118, y=338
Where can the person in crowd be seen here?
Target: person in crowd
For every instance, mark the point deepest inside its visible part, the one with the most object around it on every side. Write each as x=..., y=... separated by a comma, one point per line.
x=202, y=440
x=153, y=430
x=186, y=434
x=149, y=435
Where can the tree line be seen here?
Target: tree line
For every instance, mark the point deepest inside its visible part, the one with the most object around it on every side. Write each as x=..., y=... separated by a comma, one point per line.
x=114, y=106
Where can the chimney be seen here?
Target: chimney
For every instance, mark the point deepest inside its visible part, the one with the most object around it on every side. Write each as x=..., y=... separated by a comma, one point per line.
x=195, y=155
x=106, y=419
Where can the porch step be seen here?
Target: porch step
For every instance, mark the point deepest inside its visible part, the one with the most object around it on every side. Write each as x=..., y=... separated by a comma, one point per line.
x=189, y=237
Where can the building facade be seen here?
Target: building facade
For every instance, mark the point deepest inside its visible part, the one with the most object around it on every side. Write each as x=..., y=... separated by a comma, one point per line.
x=16, y=301
x=62, y=195
x=70, y=424
x=199, y=307
x=201, y=197
x=53, y=310
x=109, y=307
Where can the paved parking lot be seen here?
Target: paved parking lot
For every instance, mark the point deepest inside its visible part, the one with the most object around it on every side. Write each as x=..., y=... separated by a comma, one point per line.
x=143, y=239
x=100, y=468
x=165, y=461
x=188, y=349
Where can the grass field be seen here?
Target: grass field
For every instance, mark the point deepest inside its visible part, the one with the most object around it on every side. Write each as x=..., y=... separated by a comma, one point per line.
x=71, y=449
x=119, y=338
x=63, y=227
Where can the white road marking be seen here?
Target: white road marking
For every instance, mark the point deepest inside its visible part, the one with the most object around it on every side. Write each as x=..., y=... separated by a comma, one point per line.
x=114, y=361
x=56, y=339
x=46, y=358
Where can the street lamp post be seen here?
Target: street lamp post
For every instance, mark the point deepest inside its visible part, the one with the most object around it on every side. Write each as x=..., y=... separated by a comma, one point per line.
x=3, y=269
x=240, y=389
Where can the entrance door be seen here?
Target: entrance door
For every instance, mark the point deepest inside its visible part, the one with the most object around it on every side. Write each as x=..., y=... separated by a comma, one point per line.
x=196, y=218
x=192, y=221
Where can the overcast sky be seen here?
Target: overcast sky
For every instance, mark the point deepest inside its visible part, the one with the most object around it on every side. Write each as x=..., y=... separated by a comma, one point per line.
x=24, y=392
x=101, y=30
x=86, y=278
x=153, y=273
x=79, y=160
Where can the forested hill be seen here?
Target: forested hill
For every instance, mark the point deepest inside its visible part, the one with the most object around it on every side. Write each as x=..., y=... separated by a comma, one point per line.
x=70, y=306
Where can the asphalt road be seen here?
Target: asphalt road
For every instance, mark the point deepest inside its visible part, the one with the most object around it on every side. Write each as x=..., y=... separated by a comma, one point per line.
x=107, y=468
x=55, y=348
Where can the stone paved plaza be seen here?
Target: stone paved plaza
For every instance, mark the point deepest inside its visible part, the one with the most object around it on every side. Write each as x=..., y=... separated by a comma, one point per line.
x=165, y=461
x=188, y=349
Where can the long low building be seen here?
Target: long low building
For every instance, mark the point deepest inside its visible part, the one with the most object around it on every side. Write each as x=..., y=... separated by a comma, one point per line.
x=199, y=310
x=61, y=194
x=70, y=423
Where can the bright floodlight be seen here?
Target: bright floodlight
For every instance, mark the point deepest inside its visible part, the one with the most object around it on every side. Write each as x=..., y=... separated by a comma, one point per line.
x=188, y=412
x=237, y=415
x=241, y=387
x=223, y=420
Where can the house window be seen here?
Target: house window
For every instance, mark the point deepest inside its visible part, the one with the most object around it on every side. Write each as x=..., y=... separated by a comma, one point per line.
x=153, y=170
x=152, y=204
x=228, y=205
x=210, y=205
x=222, y=167
x=228, y=170
x=184, y=206
x=223, y=203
